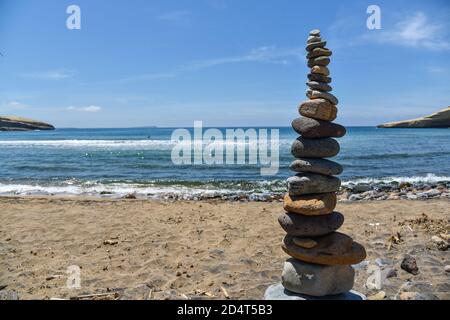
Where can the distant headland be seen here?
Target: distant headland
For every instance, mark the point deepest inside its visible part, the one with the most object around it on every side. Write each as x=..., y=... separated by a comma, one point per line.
x=12, y=123
x=440, y=119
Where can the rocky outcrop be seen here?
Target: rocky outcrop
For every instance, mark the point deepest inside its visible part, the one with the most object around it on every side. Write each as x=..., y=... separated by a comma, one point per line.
x=22, y=124
x=439, y=119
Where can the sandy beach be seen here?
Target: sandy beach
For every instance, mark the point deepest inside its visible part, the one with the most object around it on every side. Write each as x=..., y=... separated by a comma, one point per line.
x=143, y=249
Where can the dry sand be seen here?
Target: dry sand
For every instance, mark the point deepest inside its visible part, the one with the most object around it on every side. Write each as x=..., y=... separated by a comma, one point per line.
x=197, y=249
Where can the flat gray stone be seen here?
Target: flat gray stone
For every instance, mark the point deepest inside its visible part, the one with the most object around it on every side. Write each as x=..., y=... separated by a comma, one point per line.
x=320, y=44
x=315, y=94
x=321, y=166
x=308, y=183
x=317, y=280
x=8, y=295
x=319, y=61
x=314, y=33
x=314, y=129
x=299, y=225
x=314, y=39
x=278, y=292
x=315, y=148
x=319, y=77
x=316, y=85
x=319, y=52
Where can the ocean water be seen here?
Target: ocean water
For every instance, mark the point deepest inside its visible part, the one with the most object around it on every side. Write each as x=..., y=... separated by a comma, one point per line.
x=116, y=162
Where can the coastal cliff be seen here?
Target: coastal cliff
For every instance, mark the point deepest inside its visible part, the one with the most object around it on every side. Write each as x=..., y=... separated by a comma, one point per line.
x=439, y=119
x=11, y=123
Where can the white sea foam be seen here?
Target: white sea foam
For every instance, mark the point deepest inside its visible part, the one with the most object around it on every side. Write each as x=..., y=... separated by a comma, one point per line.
x=114, y=190
x=149, y=190
x=429, y=178
x=112, y=144
x=88, y=143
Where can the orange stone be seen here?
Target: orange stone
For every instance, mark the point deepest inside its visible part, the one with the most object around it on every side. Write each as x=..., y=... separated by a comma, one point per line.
x=319, y=109
x=311, y=205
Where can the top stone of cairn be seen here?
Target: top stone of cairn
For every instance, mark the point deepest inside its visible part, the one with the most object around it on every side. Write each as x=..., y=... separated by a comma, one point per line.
x=314, y=33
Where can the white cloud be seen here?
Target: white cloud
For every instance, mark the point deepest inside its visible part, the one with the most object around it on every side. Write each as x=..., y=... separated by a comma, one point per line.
x=148, y=76
x=174, y=16
x=85, y=109
x=265, y=54
x=50, y=75
x=217, y=4
x=415, y=31
x=14, y=105
x=436, y=69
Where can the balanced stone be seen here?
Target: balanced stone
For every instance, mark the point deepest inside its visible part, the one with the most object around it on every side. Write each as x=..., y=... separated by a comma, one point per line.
x=306, y=243
x=319, y=61
x=298, y=225
x=278, y=292
x=319, y=44
x=319, y=52
x=311, y=204
x=320, y=70
x=322, y=166
x=319, y=109
x=333, y=249
x=315, y=94
x=315, y=148
x=309, y=183
x=313, y=129
x=314, y=39
x=319, y=77
x=315, y=33
x=317, y=280
x=316, y=165
x=316, y=85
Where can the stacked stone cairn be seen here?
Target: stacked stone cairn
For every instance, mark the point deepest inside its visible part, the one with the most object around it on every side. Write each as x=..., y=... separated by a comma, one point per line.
x=321, y=257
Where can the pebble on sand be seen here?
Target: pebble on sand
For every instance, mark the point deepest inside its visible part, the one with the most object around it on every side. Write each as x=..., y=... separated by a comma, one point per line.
x=409, y=264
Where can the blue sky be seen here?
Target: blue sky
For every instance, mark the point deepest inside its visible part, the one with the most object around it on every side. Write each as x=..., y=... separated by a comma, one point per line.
x=225, y=62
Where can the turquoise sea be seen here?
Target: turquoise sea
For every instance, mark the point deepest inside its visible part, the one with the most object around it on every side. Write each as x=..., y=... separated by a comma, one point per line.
x=116, y=162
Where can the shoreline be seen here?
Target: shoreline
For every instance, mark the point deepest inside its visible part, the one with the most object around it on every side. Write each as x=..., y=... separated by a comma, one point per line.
x=147, y=249
x=349, y=192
